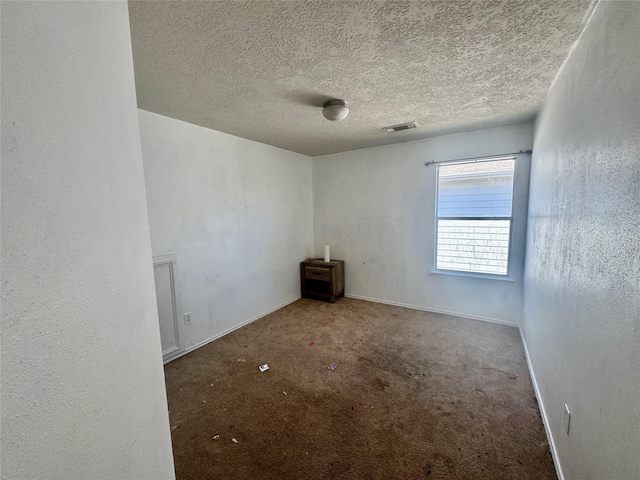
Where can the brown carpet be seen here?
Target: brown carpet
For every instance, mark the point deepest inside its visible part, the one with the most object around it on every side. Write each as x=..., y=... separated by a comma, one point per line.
x=415, y=395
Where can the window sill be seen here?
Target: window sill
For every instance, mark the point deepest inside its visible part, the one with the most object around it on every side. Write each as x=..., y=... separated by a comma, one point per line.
x=451, y=273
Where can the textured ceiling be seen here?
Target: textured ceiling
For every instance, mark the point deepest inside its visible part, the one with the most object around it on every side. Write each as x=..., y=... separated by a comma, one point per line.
x=262, y=69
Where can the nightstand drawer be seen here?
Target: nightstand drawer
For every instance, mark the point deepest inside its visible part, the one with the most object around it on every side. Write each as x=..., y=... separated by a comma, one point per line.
x=316, y=273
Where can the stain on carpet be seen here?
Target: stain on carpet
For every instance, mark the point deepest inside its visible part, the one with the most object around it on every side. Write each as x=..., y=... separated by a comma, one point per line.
x=415, y=395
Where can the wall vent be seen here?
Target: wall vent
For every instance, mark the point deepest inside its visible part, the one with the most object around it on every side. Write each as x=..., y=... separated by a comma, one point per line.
x=402, y=126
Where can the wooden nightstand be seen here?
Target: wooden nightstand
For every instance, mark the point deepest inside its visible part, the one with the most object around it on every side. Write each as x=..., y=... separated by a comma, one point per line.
x=322, y=279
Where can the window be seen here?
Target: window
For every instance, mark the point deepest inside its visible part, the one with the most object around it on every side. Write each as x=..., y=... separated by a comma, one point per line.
x=474, y=216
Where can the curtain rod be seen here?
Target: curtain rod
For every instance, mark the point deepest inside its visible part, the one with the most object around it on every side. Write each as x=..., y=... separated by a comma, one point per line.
x=521, y=152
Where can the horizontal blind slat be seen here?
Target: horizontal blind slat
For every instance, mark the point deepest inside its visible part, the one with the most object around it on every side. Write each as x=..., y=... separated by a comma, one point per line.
x=470, y=245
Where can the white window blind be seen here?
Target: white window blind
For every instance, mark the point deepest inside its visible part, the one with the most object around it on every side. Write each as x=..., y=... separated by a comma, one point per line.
x=474, y=216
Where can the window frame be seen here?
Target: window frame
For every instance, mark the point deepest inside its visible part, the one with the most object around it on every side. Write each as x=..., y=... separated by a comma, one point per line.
x=463, y=273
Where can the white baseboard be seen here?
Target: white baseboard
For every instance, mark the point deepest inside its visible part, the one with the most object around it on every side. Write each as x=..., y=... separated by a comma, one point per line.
x=433, y=310
x=229, y=330
x=543, y=412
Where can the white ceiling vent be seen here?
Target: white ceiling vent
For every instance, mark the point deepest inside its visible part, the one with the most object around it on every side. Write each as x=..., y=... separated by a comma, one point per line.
x=402, y=126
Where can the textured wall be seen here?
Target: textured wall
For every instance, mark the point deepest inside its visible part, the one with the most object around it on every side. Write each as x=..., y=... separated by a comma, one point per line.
x=237, y=213
x=82, y=382
x=582, y=282
x=376, y=209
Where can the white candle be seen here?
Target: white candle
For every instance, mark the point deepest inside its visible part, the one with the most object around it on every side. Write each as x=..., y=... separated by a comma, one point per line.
x=326, y=253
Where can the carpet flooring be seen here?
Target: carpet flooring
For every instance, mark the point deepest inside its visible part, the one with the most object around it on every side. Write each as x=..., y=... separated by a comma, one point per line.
x=414, y=395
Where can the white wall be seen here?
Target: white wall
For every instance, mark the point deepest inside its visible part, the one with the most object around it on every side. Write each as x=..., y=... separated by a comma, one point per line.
x=237, y=213
x=375, y=207
x=82, y=381
x=582, y=283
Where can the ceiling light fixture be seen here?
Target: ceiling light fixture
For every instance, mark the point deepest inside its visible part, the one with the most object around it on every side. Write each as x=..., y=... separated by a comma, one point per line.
x=335, y=109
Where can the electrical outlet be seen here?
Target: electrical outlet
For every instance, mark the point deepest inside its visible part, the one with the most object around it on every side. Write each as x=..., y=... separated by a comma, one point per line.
x=187, y=318
x=566, y=418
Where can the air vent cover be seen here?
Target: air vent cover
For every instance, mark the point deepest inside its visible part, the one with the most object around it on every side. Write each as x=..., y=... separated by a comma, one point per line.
x=402, y=126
